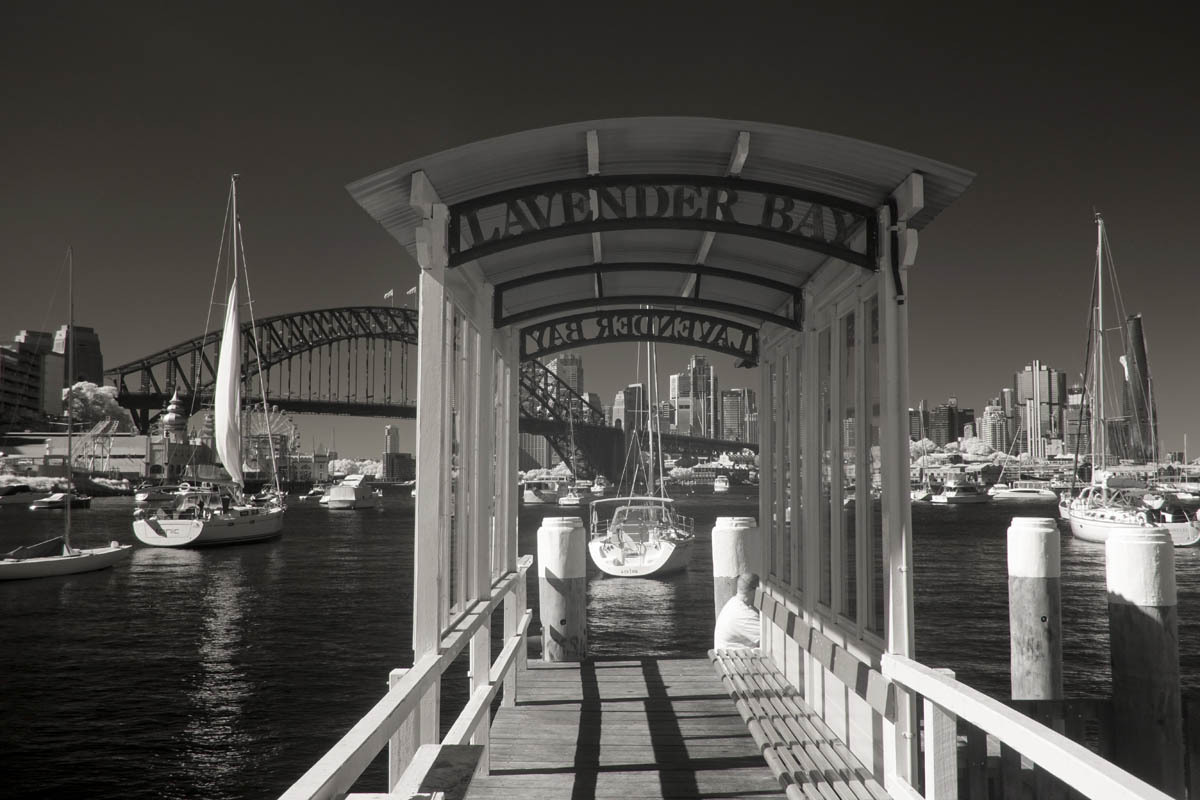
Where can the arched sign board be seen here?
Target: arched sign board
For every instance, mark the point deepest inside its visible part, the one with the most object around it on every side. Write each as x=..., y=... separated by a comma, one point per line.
x=636, y=325
x=784, y=214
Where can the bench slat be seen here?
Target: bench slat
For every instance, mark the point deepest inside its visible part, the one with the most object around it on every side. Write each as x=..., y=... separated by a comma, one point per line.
x=806, y=756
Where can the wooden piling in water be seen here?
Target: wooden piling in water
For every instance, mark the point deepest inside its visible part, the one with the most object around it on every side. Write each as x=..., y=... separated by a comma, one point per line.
x=734, y=551
x=1143, y=625
x=562, y=588
x=1035, y=609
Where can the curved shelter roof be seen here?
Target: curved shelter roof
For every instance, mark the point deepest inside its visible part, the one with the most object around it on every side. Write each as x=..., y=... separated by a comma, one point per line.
x=729, y=216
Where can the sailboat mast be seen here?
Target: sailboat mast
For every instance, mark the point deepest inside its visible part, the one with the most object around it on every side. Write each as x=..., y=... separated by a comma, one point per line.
x=70, y=385
x=1100, y=334
x=649, y=421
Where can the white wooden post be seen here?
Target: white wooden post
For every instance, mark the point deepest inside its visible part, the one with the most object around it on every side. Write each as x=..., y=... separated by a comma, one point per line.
x=941, y=750
x=514, y=604
x=766, y=477
x=404, y=743
x=900, y=752
x=484, y=486
x=432, y=469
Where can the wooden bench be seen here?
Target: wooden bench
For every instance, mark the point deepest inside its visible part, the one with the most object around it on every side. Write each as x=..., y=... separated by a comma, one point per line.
x=809, y=759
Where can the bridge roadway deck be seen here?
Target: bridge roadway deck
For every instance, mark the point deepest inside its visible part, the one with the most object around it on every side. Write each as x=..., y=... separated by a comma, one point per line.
x=633, y=728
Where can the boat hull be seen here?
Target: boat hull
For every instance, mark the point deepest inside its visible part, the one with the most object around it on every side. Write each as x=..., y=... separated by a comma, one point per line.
x=350, y=504
x=51, y=566
x=641, y=560
x=218, y=529
x=1039, y=495
x=959, y=500
x=1090, y=529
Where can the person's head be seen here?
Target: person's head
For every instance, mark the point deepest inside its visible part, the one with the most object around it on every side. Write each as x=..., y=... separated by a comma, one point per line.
x=746, y=584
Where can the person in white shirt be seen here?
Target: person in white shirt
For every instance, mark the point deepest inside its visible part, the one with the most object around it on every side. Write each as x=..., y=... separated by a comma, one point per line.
x=737, y=624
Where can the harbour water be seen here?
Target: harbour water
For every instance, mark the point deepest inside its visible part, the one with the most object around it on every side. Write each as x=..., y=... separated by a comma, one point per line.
x=226, y=672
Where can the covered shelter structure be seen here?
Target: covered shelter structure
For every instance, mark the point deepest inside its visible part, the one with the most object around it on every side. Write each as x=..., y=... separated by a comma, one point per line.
x=787, y=248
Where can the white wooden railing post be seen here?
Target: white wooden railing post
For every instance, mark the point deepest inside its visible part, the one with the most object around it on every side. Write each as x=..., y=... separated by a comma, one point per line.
x=403, y=743
x=941, y=750
x=433, y=473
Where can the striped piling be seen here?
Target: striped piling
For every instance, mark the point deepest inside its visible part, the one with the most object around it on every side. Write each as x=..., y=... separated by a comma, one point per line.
x=734, y=551
x=1035, y=609
x=1143, y=624
x=562, y=588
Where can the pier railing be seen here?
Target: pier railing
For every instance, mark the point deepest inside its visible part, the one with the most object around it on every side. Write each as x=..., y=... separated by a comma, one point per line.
x=1028, y=751
x=390, y=721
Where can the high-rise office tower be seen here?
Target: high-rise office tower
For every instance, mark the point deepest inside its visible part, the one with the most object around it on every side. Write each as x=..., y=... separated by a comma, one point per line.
x=391, y=439
x=994, y=428
x=89, y=362
x=1039, y=394
x=736, y=407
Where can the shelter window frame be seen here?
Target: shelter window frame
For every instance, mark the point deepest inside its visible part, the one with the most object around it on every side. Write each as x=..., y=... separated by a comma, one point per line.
x=782, y=423
x=829, y=540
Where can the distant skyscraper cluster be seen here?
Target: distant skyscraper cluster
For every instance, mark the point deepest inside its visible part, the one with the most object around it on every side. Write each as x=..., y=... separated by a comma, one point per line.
x=1040, y=415
x=695, y=405
x=33, y=373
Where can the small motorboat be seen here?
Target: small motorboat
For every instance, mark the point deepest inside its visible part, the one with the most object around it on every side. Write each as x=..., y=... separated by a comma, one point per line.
x=957, y=492
x=720, y=484
x=58, y=500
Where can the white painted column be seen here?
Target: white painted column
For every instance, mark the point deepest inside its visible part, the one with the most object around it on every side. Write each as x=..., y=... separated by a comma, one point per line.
x=900, y=752
x=766, y=473
x=432, y=467
x=562, y=588
x=484, y=485
x=1143, y=624
x=1035, y=609
x=506, y=526
x=734, y=552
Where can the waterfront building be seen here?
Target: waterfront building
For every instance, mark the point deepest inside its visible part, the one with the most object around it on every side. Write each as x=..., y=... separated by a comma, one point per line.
x=993, y=428
x=1137, y=399
x=1040, y=393
x=680, y=396
x=736, y=406
x=32, y=379
x=399, y=466
x=593, y=400
x=89, y=361
x=629, y=408
x=941, y=425
x=608, y=414
x=391, y=439
x=752, y=427
x=535, y=451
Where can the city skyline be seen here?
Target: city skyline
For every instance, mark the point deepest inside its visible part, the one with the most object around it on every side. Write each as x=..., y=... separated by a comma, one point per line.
x=123, y=127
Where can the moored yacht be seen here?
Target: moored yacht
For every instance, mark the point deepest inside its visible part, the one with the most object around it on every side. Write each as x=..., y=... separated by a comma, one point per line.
x=1023, y=490
x=352, y=493
x=645, y=536
x=59, y=500
x=957, y=492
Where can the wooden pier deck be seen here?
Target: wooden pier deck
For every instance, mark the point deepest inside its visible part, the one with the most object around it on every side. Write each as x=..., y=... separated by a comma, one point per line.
x=632, y=728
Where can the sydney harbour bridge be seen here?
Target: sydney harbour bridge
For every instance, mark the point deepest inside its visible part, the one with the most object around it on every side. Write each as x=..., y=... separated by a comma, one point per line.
x=355, y=361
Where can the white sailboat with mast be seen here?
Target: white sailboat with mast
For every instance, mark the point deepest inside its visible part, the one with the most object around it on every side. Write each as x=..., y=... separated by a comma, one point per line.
x=1100, y=509
x=222, y=515
x=57, y=556
x=645, y=535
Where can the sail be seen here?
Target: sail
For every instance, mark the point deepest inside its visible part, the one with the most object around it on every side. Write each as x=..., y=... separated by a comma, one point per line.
x=228, y=400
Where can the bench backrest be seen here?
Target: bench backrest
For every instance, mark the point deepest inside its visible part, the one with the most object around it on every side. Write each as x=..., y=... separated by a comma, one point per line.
x=857, y=675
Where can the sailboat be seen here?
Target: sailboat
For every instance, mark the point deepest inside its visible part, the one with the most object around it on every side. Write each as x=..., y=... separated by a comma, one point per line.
x=1101, y=508
x=220, y=515
x=645, y=535
x=57, y=556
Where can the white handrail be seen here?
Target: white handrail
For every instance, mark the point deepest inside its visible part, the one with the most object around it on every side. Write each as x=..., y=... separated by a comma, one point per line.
x=1072, y=763
x=335, y=773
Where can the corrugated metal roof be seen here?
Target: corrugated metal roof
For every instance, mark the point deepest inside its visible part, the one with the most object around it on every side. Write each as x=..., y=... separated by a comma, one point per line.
x=850, y=169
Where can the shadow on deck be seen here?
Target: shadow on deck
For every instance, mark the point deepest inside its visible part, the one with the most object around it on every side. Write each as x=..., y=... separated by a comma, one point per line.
x=630, y=728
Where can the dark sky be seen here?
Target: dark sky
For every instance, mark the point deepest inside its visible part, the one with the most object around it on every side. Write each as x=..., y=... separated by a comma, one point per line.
x=120, y=124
